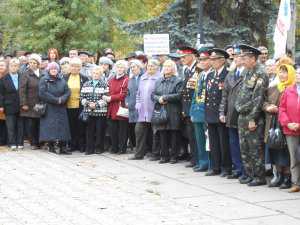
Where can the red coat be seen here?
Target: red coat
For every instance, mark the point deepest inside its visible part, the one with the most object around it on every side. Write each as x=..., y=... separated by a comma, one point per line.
x=289, y=110
x=117, y=91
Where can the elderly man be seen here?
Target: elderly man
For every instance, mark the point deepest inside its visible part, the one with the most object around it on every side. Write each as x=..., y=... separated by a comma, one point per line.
x=188, y=59
x=217, y=131
x=263, y=57
x=249, y=105
x=228, y=113
x=87, y=67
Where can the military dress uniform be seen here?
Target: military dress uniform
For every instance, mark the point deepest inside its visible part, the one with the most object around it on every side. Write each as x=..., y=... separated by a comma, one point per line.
x=186, y=99
x=249, y=105
x=217, y=131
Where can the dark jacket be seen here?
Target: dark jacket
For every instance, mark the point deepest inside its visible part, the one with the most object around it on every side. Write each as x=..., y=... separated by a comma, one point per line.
x=133, y=85
x=187, y=93
x=29, y=93
x=170, y=90
x=215, y=86
x=231, y=90
x=54, y=125
x=273, y=98
x=9, y=96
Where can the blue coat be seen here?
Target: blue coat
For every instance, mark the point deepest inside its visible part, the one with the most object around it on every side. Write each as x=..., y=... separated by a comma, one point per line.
x=54, y=125
x=133, y=85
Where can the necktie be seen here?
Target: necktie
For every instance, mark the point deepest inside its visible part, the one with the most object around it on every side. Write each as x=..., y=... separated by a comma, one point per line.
x=237, y=75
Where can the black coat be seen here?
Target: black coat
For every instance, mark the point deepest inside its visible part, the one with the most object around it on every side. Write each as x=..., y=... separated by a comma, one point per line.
x=169, y=89
x=215, y=85
x=29, y=93
x=230, y=92
x=9, y=96
x=54, y=125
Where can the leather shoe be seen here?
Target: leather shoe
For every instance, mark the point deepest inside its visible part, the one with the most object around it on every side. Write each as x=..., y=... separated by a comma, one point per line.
x=190, y=165
x=212, y=173
x=287, y=183
x=257, y=182
x=233, y=176
x=277, y=181
x=224, y=174
x=245, y=179
x=135, y=158
x=154, y=158
x=199, y=169
x=294, y=189
x=173, y=161
x=162, y=161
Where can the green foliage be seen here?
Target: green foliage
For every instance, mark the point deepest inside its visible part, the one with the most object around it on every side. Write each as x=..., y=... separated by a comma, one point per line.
x=64, y=24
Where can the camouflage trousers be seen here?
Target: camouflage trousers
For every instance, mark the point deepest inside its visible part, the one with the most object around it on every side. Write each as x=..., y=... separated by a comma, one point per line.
x=252, y=148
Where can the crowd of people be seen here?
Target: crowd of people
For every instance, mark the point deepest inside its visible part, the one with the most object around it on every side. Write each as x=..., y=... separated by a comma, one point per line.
x=230, y=112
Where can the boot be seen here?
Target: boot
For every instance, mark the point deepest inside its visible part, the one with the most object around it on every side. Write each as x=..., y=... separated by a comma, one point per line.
x=277, y=181
x=287, y=183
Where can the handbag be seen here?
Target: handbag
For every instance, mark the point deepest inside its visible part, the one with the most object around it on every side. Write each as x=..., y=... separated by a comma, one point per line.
x=159, y=115
x=83, y=116
x=122, y=111
x=276, y=138
x=40, y=109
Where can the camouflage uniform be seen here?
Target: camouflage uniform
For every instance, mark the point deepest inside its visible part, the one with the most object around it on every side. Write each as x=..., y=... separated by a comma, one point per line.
x=249, y=106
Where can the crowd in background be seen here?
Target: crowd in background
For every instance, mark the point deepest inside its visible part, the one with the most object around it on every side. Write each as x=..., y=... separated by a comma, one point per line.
x=230, y=112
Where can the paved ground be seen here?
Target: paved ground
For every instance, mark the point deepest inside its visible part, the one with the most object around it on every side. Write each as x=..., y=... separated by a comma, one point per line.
x=37, y=187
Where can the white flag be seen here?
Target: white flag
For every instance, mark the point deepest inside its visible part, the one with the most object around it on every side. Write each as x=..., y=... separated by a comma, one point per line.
x=282, y=26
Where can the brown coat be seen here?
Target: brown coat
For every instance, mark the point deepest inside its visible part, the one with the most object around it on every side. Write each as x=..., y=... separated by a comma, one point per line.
x=272, y=99
x=29, y=93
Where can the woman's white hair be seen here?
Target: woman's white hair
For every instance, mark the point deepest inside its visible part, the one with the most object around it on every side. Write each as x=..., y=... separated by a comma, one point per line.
x=122, y=63
x=137, y=63
x=75, y=61
x=154, y=62
x=14, y=61
x=169, y=61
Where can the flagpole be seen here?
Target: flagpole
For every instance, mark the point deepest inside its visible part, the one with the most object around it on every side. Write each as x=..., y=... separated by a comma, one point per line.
x=291, y=38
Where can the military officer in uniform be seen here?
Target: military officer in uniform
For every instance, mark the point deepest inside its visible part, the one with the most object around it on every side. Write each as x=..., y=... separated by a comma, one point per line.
x=251, y=117
x=217, y=131
x=228, y=113
x=189, y=61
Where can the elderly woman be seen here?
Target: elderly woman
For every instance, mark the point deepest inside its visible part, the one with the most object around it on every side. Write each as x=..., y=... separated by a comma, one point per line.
x=54, y=125
x=96, y=109
x=65, y=66
x=75, y=81
x=136, y=71
x=29, y=97
x=116, y=99
x=3, y=133
x=166, y=96
x=278, y=157
x=10, y=105
x=289, y=118
x=144, y=107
